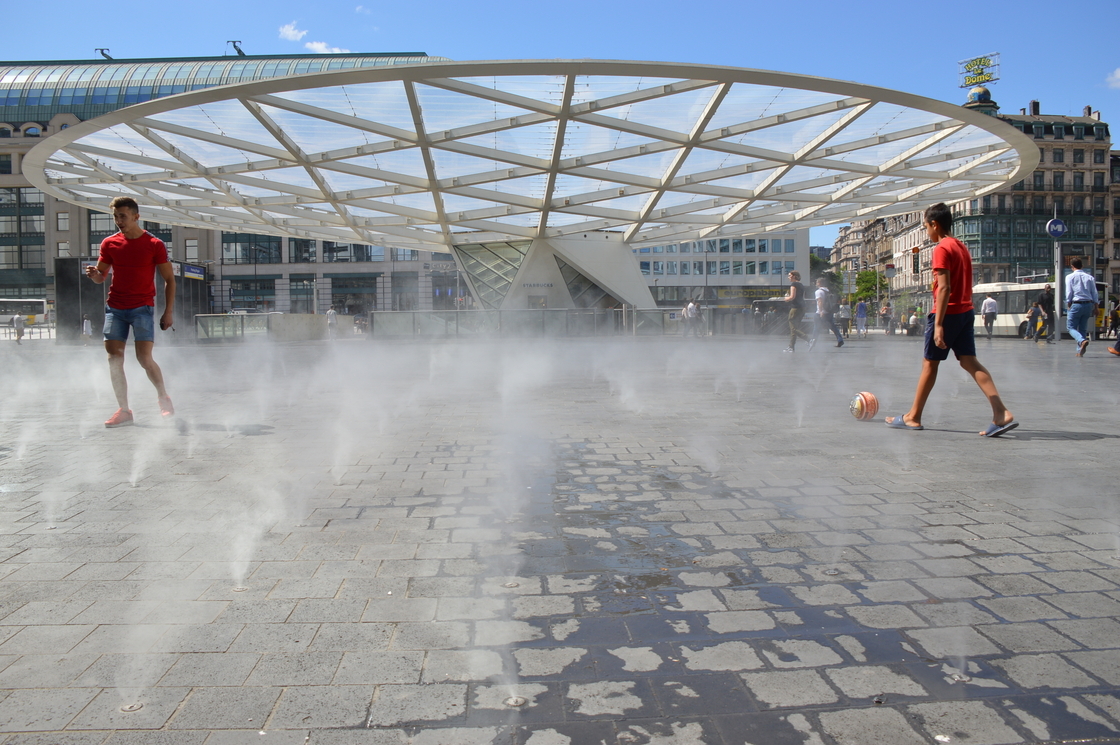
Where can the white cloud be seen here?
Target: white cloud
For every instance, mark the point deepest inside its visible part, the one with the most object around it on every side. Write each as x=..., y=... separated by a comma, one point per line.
x=322, y=47
x=291, y=33
x=1114, y=78
x=363, y=9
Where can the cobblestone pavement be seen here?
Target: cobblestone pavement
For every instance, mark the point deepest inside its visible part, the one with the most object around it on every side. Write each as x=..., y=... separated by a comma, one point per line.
x=552, y=543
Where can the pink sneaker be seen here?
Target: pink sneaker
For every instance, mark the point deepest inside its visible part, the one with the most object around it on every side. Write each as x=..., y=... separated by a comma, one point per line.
x=165, y=406
x=120, y=419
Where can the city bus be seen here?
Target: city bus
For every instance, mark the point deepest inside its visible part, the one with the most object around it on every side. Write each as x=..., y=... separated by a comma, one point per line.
x=33, y=311
x=1013, y=300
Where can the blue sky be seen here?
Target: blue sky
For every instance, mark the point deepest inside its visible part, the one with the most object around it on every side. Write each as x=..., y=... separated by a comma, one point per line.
x=1066, y=61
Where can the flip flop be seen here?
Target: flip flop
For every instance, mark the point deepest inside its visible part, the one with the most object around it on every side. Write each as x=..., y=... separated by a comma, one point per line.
x=897, y=422
x=995, y=430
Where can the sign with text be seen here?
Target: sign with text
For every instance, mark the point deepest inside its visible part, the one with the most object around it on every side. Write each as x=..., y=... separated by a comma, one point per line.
x=979, y=70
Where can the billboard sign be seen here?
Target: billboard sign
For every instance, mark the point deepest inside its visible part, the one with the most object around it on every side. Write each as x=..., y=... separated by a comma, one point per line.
x=979, y=70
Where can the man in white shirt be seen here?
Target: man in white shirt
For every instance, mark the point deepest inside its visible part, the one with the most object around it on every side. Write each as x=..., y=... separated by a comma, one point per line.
x=1082, y=300
x=989, y=309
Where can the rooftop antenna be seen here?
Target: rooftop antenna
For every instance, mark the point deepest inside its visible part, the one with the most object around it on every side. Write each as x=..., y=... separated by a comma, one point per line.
x=104, y=52
x=237, y=48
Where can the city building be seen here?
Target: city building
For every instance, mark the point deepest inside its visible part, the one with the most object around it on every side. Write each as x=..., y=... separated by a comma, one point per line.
x=724, y=272
x=246, y=270
x=1006, y=229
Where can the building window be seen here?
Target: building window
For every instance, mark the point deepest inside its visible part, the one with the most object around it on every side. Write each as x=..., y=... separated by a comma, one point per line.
x=404, y=254
x=1059, y=131
x=659, y=268
x=671, y=267
x=762, y=245
x=63, y=220
x=245, y=248
x=1078, y=181
x=1039, y=181
x=1038, y=204
x=192, y=249
x=64, y=249
x=1059, y=181
x=644, y=265
x=1059, y=155
x=99, y=222
x=725, y=245
x=686, y=248
x=749, y=247
x=1098, y=180
x=1098, y=156
x=736, y=245
x=5, y=164
x=1039, y=130
x=1078, y=156
x=789, y=246
x=1060, y=205
x=725, y=268
x=1079, y=131
x=685, y=266
x=301, y=250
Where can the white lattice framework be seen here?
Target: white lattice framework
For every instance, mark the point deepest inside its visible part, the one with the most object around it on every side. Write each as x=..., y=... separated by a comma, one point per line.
x=432, y=155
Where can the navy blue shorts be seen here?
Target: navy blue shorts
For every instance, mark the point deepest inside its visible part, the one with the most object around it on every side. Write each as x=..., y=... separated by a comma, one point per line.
x=141, y=320
x=959, y=336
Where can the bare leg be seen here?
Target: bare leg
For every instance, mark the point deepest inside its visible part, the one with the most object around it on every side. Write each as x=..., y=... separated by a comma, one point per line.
x=144, y=357
x=979, y=373
x=925, y=386
x=115, y=350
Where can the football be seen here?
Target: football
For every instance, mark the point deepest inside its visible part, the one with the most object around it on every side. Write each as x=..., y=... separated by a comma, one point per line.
x=864, y=406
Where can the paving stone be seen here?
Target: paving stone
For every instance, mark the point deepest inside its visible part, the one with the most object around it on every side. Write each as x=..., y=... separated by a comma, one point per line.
x=790, y=688
x=1043, y=671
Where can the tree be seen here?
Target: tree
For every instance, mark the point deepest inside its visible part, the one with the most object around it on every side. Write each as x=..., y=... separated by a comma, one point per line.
x=819, y=267
x=869, y=284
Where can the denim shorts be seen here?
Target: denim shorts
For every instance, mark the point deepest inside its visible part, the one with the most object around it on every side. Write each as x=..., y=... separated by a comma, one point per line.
x=959, y=336
x=142, y=320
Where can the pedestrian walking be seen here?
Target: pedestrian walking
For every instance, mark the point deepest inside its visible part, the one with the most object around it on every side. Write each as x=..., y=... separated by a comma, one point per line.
x=1082, y=300
x=1036, y=320
x=951, y=327
x=989, y=309
x=887, y=318
x=826, y=311
x=87, y=330
x=844, y=318
x=18, y=322
x=132, y=257
x=1046, y=302
x=795, y=298
x=861, y=319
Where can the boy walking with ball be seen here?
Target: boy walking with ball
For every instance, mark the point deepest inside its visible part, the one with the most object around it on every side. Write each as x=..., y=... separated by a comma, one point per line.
x=951, y=327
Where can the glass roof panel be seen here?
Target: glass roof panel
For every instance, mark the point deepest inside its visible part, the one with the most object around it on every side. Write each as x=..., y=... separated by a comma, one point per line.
x=599, y=87
x=548, y=89
x=227, y=118
x=446, y=109
x=582, y=138
x=314, y=135
x=790, y=137
x=450, y=165
x=678, y=112
x=570, y=186
x=408, y=162
x=536, y=141
x=383, y=102
x=702, y=159
x=653, y=165
x=746, y=102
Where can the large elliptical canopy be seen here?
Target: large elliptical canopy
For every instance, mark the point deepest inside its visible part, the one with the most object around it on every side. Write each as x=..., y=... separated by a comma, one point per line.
x=434, y=155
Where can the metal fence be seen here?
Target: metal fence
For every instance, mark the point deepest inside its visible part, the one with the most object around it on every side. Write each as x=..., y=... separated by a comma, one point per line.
x=549, y=322
x=231, y=327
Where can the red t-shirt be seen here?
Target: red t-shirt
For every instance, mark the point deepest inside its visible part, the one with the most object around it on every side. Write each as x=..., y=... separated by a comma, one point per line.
x=134, y=265
x=952, y=255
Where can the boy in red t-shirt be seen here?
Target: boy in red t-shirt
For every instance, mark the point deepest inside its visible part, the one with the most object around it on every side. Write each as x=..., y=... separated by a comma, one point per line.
x=134, y=255
x=951, y=326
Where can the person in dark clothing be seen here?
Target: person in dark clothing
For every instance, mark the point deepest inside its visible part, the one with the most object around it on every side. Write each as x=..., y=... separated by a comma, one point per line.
x=796, y=300
x=1046, y=302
